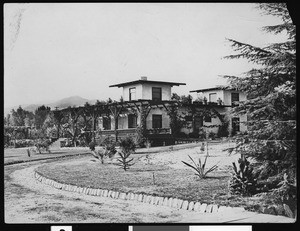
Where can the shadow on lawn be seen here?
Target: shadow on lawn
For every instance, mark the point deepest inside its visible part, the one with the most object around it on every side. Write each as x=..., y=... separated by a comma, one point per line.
x=214, y=177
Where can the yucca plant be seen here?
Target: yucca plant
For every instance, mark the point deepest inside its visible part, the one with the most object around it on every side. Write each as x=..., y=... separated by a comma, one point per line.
x=199, y=168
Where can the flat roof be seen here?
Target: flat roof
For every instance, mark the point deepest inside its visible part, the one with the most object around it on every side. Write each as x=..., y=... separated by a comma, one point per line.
x=146, y=81
x=215, y=88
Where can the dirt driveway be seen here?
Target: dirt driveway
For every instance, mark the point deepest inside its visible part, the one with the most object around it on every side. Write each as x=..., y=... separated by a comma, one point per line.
x=29, y=201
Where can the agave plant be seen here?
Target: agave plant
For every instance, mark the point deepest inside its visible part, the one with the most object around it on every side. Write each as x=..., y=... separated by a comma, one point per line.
x=199, y=168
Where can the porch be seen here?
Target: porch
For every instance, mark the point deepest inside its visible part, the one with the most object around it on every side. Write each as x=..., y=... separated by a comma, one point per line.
x=157, y=136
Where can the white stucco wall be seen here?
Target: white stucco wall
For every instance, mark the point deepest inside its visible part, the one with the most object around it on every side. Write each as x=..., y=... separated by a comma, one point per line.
x=144, y=91
x=225, y=96
x=220, y=94
x=138, y=91
x=165, y=118
x=165, y=91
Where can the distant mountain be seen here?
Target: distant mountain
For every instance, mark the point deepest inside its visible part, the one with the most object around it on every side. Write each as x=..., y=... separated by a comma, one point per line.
x=31, y=107
x=73, y=101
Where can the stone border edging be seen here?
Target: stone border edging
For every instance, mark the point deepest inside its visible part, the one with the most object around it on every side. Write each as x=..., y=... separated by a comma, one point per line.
x=144, y=198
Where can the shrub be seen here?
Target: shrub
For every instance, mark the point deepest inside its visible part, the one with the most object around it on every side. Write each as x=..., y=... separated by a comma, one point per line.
x=42, y=144
x=243, y=180
x=223, y=130
x=212, y=135
x=202, y=134
x=127, y=145
x=286, y=192
x=141, y=138
x=22, y=143
x=109, y=147
x=194, y=135
x=92, y=146
x=182, y=135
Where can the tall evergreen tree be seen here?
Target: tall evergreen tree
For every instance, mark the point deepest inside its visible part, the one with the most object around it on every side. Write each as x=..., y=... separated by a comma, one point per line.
x=271, y=102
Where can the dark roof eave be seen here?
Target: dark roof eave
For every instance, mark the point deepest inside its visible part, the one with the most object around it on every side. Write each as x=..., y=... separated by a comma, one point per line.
x=215, y=88
x=147, y=81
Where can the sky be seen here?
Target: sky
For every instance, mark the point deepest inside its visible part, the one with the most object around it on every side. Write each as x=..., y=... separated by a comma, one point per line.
x=55, y=50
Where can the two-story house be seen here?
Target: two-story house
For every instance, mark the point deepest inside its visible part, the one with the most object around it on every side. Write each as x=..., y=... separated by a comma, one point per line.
x=222, y=99
x=154, y=96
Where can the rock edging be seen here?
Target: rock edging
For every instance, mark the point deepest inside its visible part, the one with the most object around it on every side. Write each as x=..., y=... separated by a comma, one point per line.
x=144, y=198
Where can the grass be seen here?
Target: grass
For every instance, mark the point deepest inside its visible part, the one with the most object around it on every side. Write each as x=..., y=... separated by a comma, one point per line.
x=169, y=182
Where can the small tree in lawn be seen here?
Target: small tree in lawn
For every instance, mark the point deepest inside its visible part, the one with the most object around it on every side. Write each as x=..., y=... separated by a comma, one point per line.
x=127, y=146
x=109, y=149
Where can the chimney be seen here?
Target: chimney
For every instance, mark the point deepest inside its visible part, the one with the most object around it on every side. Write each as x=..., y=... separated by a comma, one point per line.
x=144, y=78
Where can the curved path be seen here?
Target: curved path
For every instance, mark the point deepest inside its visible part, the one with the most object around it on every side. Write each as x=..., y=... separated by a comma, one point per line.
x=29, y=201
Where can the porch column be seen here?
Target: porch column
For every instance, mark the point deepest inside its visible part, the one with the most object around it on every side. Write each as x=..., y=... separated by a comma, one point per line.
x=116, y=126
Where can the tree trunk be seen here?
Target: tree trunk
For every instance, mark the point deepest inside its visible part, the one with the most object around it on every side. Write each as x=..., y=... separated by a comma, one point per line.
x=116, y=128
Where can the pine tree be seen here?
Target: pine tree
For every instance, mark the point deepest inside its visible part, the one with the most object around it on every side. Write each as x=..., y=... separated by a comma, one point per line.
x=271, y=99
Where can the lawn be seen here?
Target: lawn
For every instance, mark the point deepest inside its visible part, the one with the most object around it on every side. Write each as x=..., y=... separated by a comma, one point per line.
x=167, y=181
x=161, y=174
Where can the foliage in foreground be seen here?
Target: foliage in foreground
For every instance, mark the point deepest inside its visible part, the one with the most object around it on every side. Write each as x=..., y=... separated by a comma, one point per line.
x=286, y=192
x=243, y=181
x=271, y=100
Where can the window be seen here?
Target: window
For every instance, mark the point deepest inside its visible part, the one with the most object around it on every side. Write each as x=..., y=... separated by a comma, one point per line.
x=213, y=97
x=207, y=119
x=235, y=125
x=132, y=121
x=156, y=93
x=106, y=123
x=156, y=121
x=235, y=97
x=132, y=94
